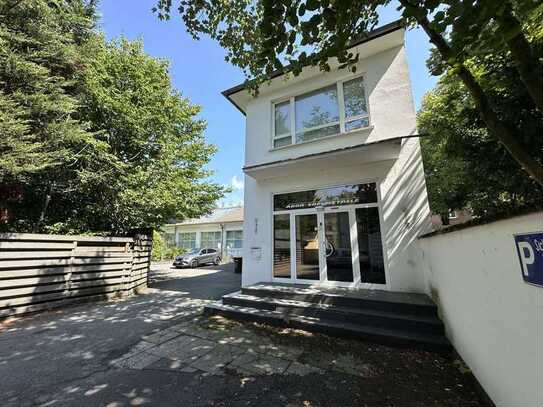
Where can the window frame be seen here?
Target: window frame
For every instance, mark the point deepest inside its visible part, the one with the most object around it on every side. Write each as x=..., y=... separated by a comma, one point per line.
x=236, y=233
x=181, y=240
x=216, y=239
x=341, y=107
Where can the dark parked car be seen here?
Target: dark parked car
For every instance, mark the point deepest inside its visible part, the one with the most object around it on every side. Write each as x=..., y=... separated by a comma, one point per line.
x=197, y=257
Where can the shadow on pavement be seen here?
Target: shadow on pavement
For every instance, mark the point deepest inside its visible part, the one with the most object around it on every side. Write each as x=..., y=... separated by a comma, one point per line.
x=203, y=283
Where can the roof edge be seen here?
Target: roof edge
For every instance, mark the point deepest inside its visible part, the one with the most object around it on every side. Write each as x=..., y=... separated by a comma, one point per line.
x=337, y=150
x=372, y=35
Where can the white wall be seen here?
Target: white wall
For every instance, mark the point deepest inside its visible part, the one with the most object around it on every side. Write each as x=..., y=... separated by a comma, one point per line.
x=493, y=318
x=391, y=109
x=404, y=210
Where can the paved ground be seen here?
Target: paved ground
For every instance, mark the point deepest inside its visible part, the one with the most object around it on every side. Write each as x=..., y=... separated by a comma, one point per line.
x=156, y=349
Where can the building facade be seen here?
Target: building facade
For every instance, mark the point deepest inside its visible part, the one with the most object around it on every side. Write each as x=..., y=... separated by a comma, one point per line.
x=334, y=183
x=221, y=230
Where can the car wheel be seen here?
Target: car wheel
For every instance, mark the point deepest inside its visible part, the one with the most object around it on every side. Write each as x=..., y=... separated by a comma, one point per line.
x=194, y=264
x=217, y=261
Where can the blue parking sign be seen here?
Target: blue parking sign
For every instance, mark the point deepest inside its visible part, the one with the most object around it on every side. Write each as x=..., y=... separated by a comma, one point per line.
x=530, y=254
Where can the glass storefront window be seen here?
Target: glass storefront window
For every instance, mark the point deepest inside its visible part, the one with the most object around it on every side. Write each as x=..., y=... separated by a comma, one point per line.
x=307, y=247
x=338, y=253
x=281, y=246
x=333, y=196
x=370, y=248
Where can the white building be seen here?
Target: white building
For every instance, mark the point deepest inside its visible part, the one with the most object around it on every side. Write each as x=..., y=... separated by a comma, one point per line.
x=334, y=184
x=221, y=230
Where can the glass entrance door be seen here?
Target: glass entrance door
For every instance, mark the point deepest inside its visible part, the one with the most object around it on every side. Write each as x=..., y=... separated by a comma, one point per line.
x=337, y=247
x=330, y=235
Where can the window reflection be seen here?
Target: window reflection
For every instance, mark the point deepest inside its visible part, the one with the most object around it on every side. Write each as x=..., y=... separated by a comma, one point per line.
x=334, y=196
x=307, y=247
x=370, y=248
x=281, y=246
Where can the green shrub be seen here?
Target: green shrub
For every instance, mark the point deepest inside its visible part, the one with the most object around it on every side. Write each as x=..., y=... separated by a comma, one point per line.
x=162, y=249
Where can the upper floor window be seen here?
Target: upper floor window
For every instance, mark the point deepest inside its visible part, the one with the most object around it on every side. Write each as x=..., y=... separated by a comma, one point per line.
x=327, y=111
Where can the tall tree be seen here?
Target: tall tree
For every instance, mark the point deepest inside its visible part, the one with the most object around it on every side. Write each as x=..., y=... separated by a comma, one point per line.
x=464, y=166
x=38, y=64
x=93, y=136
x=153, y=133
x=260, y=36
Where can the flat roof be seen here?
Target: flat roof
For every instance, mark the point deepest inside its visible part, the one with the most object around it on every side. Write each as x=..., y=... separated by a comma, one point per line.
x=372, y=35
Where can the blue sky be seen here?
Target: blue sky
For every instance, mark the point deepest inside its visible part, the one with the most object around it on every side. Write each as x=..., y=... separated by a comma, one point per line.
x=199, y=71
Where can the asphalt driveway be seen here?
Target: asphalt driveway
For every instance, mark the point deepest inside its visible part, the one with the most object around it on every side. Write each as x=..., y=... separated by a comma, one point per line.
x=64, y=357
x=157, y=349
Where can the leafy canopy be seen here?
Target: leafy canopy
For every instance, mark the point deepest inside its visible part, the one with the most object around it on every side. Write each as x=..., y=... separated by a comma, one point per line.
x=464, y=166
x=261, y=36
x=93, y=130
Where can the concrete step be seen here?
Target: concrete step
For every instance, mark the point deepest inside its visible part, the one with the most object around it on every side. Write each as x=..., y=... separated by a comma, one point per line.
x=369, y=317
x=407, y=303
x=387, y=336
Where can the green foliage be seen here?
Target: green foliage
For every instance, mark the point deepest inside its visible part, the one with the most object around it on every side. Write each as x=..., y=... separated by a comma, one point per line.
x=463, y=164
x=93, y=130
x=38, y=65
x=262, y=36
x=164, y=250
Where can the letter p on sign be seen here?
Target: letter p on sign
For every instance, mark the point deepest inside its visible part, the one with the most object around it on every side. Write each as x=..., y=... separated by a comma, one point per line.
x=527, y=256
x=530, y=254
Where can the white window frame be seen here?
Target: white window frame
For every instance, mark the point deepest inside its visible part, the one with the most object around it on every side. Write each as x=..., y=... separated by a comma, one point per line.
x=342, y=119
x=234, y=232
x=216, y=239
x=354, y=235
x=181, y=240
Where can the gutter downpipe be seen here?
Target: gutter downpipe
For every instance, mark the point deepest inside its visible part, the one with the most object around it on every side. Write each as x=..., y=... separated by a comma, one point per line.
x=222, y=241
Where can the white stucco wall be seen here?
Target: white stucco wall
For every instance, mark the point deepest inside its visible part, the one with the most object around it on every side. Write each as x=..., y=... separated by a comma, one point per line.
x=404, y=210
x=399, y=175
x=390, y=105
x=492, y=317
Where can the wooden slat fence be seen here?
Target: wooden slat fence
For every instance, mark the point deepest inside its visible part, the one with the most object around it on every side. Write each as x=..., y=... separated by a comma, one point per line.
x=45, y=271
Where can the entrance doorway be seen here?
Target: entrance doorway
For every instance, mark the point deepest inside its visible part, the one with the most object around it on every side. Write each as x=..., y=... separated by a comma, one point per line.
x=329, y=244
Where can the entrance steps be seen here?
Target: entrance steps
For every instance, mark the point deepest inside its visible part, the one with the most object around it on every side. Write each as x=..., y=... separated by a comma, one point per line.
x=391, y=318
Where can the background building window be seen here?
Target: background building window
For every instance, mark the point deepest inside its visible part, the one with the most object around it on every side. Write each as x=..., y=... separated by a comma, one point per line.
x=187, y=240
x=234, y=242
x=211, y=240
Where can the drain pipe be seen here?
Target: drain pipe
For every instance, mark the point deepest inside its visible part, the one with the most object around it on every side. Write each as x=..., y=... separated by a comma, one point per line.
x=222, y=241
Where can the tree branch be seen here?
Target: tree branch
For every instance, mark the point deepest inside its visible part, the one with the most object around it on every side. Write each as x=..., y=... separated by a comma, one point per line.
x=499, y=129
x=526, y=61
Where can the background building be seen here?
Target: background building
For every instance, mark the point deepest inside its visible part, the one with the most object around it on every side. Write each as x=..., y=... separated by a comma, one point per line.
x=222, y=230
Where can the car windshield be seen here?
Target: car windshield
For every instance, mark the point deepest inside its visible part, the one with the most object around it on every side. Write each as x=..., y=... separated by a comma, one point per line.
x=194, y=251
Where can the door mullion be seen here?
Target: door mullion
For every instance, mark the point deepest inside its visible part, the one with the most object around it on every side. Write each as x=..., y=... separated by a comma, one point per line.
x=292, y=246
x=355, y=253
x=323, y=272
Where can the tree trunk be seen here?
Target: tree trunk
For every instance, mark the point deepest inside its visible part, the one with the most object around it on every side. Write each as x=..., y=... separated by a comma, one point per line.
x=499, y=129
x=526, y=61
x=46, y=203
